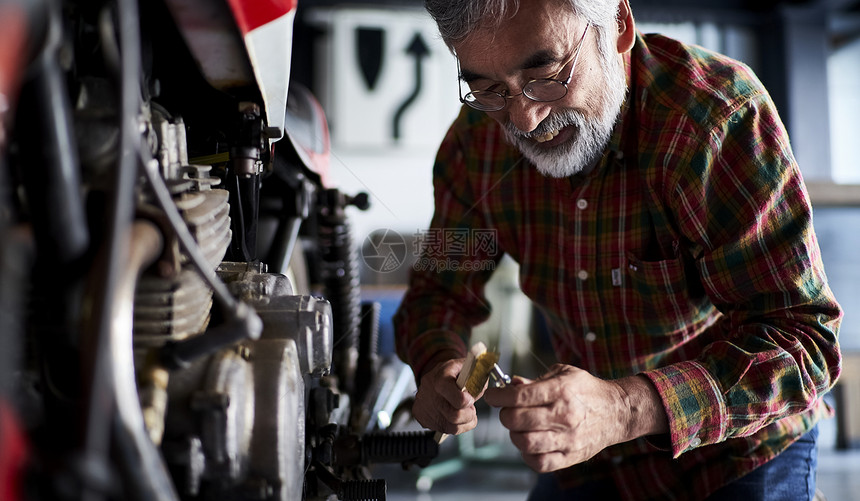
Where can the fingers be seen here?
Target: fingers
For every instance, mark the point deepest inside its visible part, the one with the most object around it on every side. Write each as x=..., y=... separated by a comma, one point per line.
x=440, y=405
x=443, y=379
x=545, y=451
x=439, y=415
x=526, y=394
x=540, y=450
x=552, y=417
x=536, y=442
x=545, y=463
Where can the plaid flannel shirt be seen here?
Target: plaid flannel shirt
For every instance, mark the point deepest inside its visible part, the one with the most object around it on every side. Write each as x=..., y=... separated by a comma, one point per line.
x=687, y=255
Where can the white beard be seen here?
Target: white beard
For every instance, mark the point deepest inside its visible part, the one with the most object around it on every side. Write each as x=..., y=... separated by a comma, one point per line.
x=589, y=138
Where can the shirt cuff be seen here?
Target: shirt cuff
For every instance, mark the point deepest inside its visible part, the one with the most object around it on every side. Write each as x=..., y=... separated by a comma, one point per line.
x=694, y=405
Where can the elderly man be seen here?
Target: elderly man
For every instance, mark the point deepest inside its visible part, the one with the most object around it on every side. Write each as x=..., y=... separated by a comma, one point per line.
x=648, y=191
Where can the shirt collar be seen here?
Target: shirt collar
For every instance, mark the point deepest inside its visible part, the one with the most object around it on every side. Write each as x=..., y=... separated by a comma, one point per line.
x=625, y=128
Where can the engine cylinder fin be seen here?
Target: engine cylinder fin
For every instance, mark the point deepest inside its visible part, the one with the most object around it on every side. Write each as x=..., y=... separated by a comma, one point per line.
x=173, y=308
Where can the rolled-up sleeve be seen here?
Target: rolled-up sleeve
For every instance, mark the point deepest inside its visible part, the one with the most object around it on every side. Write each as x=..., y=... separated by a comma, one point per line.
x=747, y=220
x=446, y=288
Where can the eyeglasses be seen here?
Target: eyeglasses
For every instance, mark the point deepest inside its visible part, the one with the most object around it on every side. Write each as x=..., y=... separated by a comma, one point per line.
x=541, y=90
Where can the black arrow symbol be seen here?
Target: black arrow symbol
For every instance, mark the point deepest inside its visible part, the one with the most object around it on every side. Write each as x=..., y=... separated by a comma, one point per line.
x=418, y=49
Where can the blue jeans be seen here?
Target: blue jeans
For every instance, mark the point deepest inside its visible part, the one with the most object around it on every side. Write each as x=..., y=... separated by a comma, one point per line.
x=788, y=477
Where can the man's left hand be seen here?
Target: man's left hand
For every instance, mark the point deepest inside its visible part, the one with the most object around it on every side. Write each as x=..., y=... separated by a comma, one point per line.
x=567, y=415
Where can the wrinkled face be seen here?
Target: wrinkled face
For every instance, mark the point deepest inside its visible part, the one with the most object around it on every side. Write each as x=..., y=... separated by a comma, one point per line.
x=560, y=137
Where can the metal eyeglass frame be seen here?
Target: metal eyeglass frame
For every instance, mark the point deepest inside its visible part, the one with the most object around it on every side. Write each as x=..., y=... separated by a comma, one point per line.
x=474, y=103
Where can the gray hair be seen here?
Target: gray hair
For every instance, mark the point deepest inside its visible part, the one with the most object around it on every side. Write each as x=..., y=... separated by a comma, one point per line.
x=457, y=19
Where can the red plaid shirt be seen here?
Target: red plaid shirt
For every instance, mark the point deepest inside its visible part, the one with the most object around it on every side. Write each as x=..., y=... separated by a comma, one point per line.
x=687, y=255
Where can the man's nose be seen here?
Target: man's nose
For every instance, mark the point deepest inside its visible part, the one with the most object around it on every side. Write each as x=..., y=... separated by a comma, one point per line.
x=526, y=114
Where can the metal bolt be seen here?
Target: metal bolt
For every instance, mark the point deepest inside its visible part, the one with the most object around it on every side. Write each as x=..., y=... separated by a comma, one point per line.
x=244, y=352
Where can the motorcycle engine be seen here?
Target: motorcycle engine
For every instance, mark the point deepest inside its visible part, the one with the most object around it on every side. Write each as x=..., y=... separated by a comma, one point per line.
x=153, y=354
x=231, y=423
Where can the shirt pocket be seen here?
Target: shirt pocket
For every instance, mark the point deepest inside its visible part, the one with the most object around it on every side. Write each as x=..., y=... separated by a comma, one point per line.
x=659, y=297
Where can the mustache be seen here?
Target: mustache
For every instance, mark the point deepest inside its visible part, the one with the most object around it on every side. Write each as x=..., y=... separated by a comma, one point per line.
x=555, y=121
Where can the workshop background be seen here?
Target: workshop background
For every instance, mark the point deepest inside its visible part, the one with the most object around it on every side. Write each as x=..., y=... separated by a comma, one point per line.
x=388, y=87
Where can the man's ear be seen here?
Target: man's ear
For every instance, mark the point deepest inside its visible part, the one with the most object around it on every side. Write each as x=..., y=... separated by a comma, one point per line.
x=626, y=27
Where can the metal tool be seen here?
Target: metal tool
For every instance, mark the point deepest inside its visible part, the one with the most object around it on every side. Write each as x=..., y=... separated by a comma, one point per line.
x=498, y=377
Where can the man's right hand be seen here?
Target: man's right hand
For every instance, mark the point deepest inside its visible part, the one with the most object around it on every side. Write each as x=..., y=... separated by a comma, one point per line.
x=440, y=405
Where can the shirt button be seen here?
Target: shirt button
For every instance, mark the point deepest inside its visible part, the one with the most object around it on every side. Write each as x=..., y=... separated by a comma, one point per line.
x=590, y=337
x=582, y=275
x=581, y=204
x=695, y=442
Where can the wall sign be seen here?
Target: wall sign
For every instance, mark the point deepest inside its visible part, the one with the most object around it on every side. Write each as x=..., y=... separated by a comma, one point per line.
x=385, y=78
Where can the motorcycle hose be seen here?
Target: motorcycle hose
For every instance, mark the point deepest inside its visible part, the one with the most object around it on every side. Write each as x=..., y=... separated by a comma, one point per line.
x=101, y=388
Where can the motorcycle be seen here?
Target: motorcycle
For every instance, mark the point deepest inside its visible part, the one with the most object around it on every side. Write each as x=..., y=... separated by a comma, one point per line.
x=180, y=310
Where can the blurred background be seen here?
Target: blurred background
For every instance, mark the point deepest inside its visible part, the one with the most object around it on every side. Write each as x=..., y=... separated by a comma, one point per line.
x=388, y=87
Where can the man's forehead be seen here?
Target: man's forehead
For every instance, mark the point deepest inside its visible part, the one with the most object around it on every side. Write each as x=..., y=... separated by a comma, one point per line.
x=539, y=58
x=513, y=48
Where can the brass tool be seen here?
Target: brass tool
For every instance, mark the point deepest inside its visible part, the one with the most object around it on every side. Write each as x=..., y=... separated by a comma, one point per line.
x=477, y=368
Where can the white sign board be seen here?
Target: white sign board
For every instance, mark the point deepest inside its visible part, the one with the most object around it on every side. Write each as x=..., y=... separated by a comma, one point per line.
x=384, y=78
